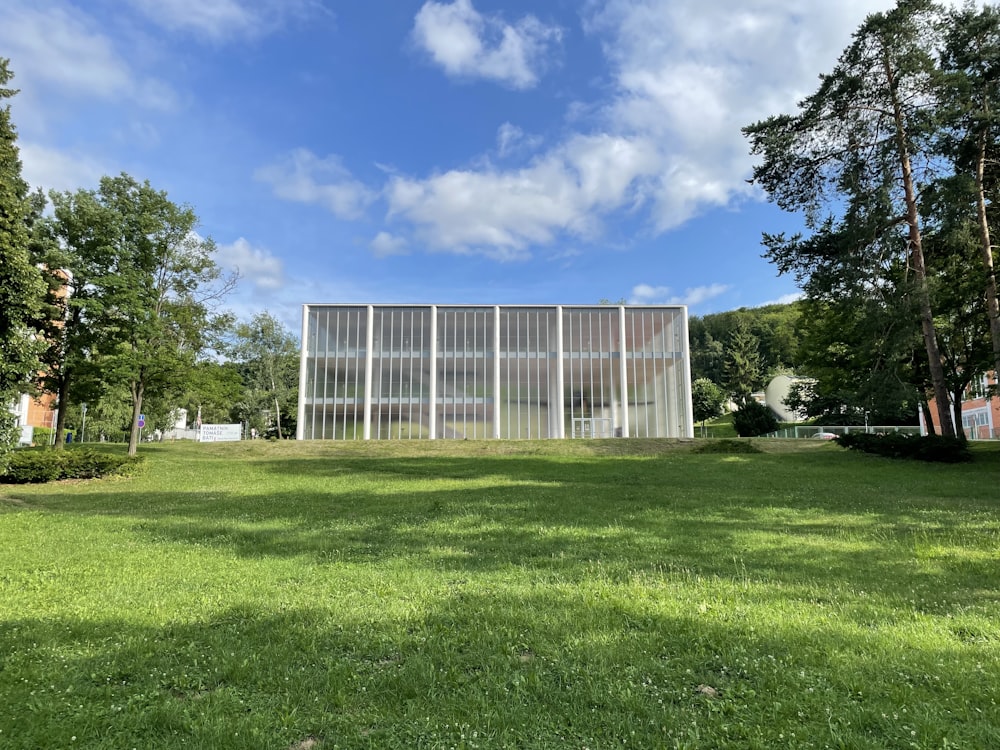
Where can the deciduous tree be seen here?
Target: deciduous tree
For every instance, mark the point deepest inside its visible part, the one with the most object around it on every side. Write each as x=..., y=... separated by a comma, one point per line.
x=148, y=285
x=707, y=399
x=267, y=356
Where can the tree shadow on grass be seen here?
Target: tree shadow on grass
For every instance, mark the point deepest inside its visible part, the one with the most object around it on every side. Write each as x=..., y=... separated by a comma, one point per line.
x=754, y=520
x=541, y=532
x=549, y=667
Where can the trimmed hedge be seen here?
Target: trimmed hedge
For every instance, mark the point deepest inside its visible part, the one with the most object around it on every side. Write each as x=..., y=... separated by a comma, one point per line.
x=34, y=466
x=949, y=450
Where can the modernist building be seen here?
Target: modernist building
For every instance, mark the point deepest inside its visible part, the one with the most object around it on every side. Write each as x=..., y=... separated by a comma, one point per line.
x=520, y=372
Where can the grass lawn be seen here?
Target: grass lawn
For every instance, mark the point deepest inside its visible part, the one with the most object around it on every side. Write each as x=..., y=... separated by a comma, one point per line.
x=577, y=594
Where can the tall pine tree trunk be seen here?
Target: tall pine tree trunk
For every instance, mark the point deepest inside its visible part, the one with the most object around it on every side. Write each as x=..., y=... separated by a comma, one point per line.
x=916, y=252
x=986, y=247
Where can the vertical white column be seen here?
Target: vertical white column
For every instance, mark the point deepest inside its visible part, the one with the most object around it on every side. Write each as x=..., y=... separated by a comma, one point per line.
x=496, y=372
x=622, y=354
x=557, y=405
x=369, y=360
x=303, y=358
x=432, y=366
x=686, y=382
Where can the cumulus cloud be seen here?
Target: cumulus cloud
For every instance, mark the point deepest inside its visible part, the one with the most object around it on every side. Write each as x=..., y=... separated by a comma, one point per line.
x=254, y=264
x=645, y=294
x=385, y=244
x=468, y=44
x=303, y=177
x=52, y=169
x=62, y=48
x=503, y=213
x=683, y=77
x=224, y=19
x=664, y=144
x=691, y=73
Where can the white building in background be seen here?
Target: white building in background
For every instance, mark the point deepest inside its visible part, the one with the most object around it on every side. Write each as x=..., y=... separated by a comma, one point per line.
x=493, y=371
x=777, y=391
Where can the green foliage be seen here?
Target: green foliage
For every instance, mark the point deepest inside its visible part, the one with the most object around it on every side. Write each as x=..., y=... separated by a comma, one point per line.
x=855, y=160
x=727, y=446
x=935, y=448
x=774, y=326
x=213, y=387
x=149, y=279
x=754, y=419
x=707, y=399
x=20, y=282
x=744, y=367
x=42, y=436
x=46, y=465
x=267, y=357
x=861, y=355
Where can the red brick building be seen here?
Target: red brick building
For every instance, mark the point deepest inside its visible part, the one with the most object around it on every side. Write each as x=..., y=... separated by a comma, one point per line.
x=980, y=411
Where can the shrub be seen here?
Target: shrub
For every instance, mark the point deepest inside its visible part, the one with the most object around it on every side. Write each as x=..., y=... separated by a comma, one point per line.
x=42, y=435
x=727, y=446
x=937, y=448
x=34, y=466
x=754, y=419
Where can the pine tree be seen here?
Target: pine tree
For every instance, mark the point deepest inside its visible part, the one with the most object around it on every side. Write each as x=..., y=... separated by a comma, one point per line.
x=848, y=159
x=20, y=282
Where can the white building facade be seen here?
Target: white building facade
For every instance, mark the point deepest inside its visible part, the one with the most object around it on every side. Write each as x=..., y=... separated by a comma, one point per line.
x=377, y=372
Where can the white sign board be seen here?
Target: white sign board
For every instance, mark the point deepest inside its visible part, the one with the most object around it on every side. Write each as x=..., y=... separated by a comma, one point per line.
x=219, y=433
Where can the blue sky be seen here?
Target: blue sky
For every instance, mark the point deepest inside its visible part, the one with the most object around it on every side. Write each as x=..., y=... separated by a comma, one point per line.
x=465, y=151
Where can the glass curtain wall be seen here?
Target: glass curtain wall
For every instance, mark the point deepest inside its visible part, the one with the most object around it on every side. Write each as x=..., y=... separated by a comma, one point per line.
x=656, y=374
x=335, y=373
x=481, y=372
x=401, y=373
x=529, y=399
x=592, y=395
x=465, y=356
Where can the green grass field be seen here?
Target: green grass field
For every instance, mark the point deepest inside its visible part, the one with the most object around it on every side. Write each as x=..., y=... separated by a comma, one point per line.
x=577, y=594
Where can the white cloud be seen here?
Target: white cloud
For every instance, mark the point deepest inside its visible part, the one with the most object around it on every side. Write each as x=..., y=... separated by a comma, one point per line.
x=303, y=177
x=254, y=264
x=52, y=169
x=386, y=244
x=224, y=19
x=645, y=294
x=512, y=140
x=63, y=48
x=785, y=299
x=684, y=76
x=466, y=43
x=691, y=73
x=503, y=213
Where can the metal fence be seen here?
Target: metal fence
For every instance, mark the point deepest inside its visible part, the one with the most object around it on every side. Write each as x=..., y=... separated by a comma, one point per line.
x=820, y=432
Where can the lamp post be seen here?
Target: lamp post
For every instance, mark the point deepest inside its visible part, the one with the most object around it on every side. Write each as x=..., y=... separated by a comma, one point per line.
x=83, y=420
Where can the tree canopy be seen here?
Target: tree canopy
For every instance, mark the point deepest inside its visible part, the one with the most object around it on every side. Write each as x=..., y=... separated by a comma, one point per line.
x=904, y=117
x=20, y=283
